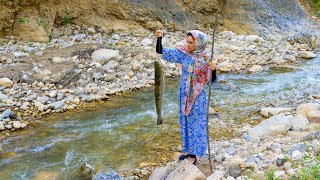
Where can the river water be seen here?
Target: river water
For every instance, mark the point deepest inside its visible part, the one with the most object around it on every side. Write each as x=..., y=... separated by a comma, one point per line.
x=121, y=133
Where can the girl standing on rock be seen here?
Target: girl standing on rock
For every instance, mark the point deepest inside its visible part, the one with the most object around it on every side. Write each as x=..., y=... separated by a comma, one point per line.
x=192, y=98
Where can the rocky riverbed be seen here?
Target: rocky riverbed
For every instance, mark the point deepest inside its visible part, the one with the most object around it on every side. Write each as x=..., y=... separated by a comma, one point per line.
x=84, y=64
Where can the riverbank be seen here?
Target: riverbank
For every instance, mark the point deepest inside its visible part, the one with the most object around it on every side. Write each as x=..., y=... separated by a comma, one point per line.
x=65, y=73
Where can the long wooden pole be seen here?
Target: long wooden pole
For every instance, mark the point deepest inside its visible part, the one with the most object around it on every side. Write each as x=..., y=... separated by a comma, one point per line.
x=208, y=102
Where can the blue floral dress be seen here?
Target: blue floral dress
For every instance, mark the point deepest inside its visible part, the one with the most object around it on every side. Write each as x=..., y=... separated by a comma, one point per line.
x=193, y=128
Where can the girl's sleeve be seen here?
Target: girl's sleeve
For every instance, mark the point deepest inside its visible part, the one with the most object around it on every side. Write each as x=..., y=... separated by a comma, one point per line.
x=214, y=77
x=169, y=54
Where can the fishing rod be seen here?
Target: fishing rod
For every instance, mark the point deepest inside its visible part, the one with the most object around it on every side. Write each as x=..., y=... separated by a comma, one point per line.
x=209, y=94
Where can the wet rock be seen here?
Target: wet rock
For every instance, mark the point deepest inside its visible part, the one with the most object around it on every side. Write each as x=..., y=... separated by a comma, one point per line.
x=278, y=124
x=186, y=170
x=104, y=176
x=87, y=170
x=6, y=82
x=307, y=54
x=103, y=56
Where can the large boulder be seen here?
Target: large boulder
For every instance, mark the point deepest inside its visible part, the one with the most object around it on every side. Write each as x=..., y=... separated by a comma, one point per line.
x=278, y=124
x=187, y=171
x=6, y=82
x=304, y=109
x=103, y=56
x=298, y=123
x=255, y=68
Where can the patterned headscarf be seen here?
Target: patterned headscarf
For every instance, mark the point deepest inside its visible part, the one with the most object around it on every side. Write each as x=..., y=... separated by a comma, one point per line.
x=198, y=71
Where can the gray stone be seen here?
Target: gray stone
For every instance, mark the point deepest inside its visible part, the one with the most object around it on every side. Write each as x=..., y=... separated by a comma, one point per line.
x=109, y=77
x=267, y=112
x=301, y=147
x=296, y=155
x=6, y=114
x=53, y=93
x=16, y=124
x=43, y=99
x=57, y=105
x=3, y=98
x=146, y=42
x=235, y=170
x=307, y=54
x=231, y=151
x=299, y=122
x=216, y=175
x=87, y=170
x=2, y=127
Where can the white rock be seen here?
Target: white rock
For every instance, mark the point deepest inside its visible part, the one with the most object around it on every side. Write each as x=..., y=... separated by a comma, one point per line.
x=57, y=60
x=20, y=54
x=314, y=116
x=225, y=66
x=43, y=99
x=279, y=173
x=159, y=173
x=53, y=93
x=216, y=175
x=255, y=68
x=298, y=123
x=8, y=126
x=296, y=155
x=130, y=74
x=253, y=38
x=186, y=171
x=304, y=109
x=91, y=30
x=2, y=127
x=267, y=112
x=16, y=124
x=307, y=54
x=278, y=124
x=40, y=53
x=115, y=37
x=6, y=82
x=103, y=56
x=146, y=42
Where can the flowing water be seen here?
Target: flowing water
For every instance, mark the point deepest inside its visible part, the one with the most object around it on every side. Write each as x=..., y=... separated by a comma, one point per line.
x=122, y=133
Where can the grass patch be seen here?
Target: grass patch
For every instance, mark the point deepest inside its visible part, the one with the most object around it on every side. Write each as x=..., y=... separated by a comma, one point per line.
x=43, y=23
x=66, y=19
x=22, y=20
x=310, y=173
x=317, y=7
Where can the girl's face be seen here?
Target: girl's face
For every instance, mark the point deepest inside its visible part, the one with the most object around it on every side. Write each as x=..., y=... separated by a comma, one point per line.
x=190, y=43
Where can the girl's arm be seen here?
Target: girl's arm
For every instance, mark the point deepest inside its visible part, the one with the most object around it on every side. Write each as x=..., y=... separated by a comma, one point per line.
x=169, y=54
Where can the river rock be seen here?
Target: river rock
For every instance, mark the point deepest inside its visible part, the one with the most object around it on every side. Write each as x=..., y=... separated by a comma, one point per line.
x=6, y=114
x=298, y=123
x=110, y=65
x=216, y=175
x=16, y=124
x=307, y=54
x=267, y=112
x=255, y=68
x=43, y=99
x=104, y=176
x=146, y=42
x=225, y=66
x=57, y=60
x=87, y=170
x=296, y=155
x=2, y=127
x=159, y=173
x=314, y=116
x=6, y=82
x=187, y=171
x=3, y=97
x=278, y=124
x=53, y=93
x=109, y=77
x=103, y=56
x=304, y=109
x=253, y=38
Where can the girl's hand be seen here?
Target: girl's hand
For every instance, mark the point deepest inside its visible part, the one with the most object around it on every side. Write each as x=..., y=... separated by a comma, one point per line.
x=158, y=33
x=212, y=65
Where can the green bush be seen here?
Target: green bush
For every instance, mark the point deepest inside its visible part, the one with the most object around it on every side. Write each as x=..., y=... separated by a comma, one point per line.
x=310, y=173
x=22, y=20
x=317, y=7
x=66, y=19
